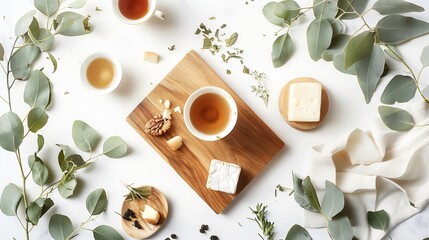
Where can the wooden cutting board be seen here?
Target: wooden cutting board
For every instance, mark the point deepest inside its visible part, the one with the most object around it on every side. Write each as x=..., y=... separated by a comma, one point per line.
x=252, y=144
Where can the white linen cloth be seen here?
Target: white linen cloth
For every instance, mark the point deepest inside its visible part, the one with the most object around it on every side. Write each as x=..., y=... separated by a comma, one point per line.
x=376, y=169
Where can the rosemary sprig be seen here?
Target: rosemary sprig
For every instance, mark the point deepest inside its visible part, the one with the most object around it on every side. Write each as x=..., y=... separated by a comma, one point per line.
x=266, y=226
x=138, y=193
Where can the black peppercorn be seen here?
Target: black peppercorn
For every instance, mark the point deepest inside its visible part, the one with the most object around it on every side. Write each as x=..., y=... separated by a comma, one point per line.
x=137, y=224
x=214, y=237
x=129, y=214
x=173, y=236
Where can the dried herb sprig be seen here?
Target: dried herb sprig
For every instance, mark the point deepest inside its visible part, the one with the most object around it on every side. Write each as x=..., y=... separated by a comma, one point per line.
x=266, y=226
x=138, y=193
x=259, y=89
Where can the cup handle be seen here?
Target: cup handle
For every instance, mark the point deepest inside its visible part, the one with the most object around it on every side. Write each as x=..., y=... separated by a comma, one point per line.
x=159, y=14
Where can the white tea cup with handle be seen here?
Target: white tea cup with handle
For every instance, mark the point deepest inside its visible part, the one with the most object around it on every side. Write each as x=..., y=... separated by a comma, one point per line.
x=136, y=11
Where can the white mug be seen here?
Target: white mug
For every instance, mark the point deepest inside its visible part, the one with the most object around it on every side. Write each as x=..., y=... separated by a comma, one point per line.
x=151, y=12
x=233, y=113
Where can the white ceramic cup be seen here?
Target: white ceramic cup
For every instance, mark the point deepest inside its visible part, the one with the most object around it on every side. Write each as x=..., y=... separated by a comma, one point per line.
x=151, y=12
x=117, y=76
x=233, y=114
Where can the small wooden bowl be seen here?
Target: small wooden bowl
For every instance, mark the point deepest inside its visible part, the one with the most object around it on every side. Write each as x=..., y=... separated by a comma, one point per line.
x=284, y=105
x=157, y=201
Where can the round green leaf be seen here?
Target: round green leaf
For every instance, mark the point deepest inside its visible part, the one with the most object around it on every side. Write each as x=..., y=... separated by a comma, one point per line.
x=297, y=232
x=54, y=61
x=84, y=136
x=340, y=66
x=45, y=40
x=67, y=187
x=358, y=48
x=319, y=36
x=338, y=27
x=67, y=151
x=39, y=170
x=10, y=199
x=358, y=5
x=115, y=147
x=72, y=24
x=333, y=200
x=299, y=195
x=310, y=192
x=21, y=61
x=396, y=118
x=337, y=46
x=400, y=89
x=37, y=118
x=11, y=131
x=47, y=7
x=340, y=228
x=369, y=72
x=396, y=29
x=424, y=58
x=96, y=202
x=60, y=227
x=104, y=232
x=286, y=9
x=40, y=142
x=282, y=49
x=77, y=4
x=386, y=7
x=23, y=23
x=378, y=219
x=37, y=92
x=38, y=208
x=34, y=28
x=327, y=9
x=268, y=11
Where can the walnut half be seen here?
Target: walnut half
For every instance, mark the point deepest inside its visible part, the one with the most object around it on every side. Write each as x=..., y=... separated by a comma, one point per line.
x=157, y=125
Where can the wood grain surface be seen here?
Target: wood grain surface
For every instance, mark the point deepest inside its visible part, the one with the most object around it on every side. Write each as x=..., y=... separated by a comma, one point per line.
x=251, y=144
x=284, y=105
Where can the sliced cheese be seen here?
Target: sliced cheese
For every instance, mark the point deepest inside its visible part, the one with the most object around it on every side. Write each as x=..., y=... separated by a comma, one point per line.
x=175, y=143
x=223, y=176
x=150, y=215
x=151, y=57
x=305, y=102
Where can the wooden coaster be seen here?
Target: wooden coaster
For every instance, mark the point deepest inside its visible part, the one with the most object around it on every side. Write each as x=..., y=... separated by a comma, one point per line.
x=157, y=201
x=284, y=105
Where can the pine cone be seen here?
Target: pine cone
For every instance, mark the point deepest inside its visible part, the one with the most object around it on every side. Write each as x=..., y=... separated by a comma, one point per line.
x=157, y=125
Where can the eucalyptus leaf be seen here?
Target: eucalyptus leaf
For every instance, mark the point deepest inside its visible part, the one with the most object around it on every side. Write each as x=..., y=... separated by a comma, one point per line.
x=115, y=147
x=40, y=142
x=37, y=92
x=66, y=188
x=393, y=52
x=358, y=48
x=400, y=89
x=268, y=11
x=104, y=232
x=286, y=9
x=378, y=220
x=67, y=151
x=396, y=29
x=96, y=202
x=358, y=5
x=282, y=49
x=386, y=7
x=38, y=208
x=338, y=27
x=340, y=228
x=1, y=52
x=37, y=118
x=325, y=8
x=10, y=199
x=47, y=7
x=45, y=40
x=39, y=170
x=369, y=72
x=337, y=46
x=77, y=4
x=23, y=23
x=340, y=65
x=60, y=227
x=54, y=61
x=319, y=36
x=76, y=24
x=21, y=60
x=310, y=192
x=333, y=201
x=231, y=40
x=11, y=131
x=424, y=58
x=297, y=232
x=395, y=118
x=34, y=28
x=299, y=195
x=84, y=136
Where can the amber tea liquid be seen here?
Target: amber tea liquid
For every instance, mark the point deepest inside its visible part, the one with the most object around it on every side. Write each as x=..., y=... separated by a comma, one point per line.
x=100, y=73
x=209, y=113
x=133, y=9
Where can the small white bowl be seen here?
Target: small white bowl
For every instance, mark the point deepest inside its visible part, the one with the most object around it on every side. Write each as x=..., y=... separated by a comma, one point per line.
x=233, y=114
x=116, y=77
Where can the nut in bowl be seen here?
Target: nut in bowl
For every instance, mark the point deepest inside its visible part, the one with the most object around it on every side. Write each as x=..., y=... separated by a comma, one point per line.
x=210, y=113
x=101, y=73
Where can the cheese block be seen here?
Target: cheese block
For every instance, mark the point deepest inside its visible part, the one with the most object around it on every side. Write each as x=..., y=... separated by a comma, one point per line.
x=223, y=176
x=150, y=215
x=305, y=102
x=151, y=57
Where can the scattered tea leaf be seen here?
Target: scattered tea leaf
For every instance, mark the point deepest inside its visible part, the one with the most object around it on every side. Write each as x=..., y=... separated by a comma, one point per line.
x=207, y=43
x=231, y=40
x=228, y=71
x=223, y=26
x=172, y=47
x=400, y=89
x=378, y=219
x=198, y=31
x=97, y=9
x=212, y=18
x=245, y=70
x=395, y=118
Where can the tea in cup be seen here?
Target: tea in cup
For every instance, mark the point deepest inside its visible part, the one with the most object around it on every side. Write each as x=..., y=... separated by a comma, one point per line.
x=136, y=11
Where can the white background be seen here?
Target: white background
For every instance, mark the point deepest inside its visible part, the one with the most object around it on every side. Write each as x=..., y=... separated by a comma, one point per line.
x=142, y=166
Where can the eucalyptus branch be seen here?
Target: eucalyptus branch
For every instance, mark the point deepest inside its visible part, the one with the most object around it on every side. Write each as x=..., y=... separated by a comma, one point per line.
x=81, y=226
